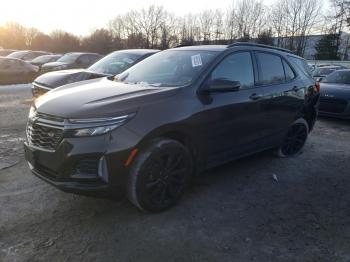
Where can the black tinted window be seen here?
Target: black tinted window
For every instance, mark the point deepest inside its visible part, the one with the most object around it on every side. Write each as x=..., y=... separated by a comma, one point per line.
x=236, y=67
x=338, y=77
x=93, y=58
x=288, y=71
x=85, y=59
x=271, y=69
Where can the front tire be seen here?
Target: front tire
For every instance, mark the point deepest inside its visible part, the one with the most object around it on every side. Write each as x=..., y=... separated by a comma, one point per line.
x=295, y=139
x=159, y=176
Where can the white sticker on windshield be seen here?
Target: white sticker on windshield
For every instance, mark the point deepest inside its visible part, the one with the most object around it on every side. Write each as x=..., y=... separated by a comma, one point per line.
x=196, y=60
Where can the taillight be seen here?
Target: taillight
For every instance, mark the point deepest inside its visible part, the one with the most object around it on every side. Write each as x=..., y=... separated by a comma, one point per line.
x=317, y=87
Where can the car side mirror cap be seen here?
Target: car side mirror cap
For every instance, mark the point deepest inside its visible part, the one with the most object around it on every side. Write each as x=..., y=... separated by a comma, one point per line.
x=221, y=85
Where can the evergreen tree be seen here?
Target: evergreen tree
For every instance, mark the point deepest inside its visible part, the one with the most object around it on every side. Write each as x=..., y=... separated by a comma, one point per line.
x=265, y=37
x=326, y=48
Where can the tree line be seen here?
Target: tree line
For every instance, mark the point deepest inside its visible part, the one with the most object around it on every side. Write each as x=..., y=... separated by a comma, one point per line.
x=286, y=23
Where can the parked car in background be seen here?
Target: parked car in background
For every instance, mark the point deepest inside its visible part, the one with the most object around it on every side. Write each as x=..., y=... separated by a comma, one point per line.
x=72, y=60
x=16, y=71
x=6, y=52
x=320, y=72
x=335, y=95
x=178, y=112
x=27, y=55
x=337, y=65
x=40, y=60
x=110, y=65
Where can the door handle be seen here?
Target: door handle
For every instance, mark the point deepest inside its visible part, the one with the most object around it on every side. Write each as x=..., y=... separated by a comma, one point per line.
x=255, y=96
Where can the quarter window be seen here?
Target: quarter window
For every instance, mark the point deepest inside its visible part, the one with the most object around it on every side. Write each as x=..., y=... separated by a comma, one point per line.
x=301, y=63
x=236, y=67
x=288, y=71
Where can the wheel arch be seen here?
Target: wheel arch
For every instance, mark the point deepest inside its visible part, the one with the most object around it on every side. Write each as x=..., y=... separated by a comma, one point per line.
x=180, y=135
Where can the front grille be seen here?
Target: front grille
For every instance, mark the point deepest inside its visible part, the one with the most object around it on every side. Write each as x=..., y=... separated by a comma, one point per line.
x=45, y=132
x=44, y=137
x=332, y=105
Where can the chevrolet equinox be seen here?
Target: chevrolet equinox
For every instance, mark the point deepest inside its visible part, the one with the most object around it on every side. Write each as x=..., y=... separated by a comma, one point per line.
x=148, y=130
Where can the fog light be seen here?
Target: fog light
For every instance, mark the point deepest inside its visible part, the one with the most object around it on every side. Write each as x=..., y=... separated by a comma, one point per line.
x=102, y=169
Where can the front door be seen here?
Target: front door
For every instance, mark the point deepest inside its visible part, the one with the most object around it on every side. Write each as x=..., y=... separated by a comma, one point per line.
x=229, y=122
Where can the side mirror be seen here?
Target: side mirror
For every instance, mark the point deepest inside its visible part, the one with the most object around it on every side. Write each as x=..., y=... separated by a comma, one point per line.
x=221, y=85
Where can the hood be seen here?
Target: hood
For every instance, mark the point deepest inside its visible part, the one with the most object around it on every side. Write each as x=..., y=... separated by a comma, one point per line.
x=55, y=64
x=60, y=78
x=98, y=98
x=335, y=90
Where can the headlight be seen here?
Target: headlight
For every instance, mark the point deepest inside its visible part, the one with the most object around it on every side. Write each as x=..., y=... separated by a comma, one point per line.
x=94, y=131
x=32, y=112
x=96, y=126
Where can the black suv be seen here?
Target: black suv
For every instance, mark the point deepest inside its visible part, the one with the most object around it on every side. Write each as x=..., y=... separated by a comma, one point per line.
x=172, y=115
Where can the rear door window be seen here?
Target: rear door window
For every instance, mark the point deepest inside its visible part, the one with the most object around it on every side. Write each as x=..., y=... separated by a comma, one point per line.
x=271, y=69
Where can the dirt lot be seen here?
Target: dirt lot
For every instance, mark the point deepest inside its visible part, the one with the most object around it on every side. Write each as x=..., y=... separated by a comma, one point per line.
x=256, y=209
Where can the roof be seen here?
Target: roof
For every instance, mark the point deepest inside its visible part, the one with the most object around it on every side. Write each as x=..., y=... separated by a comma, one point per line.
x=10, y=58
x=251, y=44
x=81, y=53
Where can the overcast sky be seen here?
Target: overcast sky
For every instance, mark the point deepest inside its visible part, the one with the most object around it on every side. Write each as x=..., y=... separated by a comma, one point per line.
x=82, y=16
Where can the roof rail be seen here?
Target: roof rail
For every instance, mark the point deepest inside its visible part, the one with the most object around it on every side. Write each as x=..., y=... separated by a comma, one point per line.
x=183, y=45
x=259, y=45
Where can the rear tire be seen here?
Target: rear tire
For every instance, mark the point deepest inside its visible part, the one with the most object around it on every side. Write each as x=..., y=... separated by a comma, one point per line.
x=159, y=175
x=294, y=140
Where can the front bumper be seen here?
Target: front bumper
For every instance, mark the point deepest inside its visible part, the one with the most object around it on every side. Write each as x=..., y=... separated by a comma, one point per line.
x=72, y=186
x=64, y=167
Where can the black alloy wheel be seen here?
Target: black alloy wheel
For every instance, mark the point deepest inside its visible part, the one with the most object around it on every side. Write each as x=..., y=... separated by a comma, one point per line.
x=294, y=140
x=160, y=175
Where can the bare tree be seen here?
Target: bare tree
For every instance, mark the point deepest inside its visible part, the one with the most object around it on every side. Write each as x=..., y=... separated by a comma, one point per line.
x=293, y=20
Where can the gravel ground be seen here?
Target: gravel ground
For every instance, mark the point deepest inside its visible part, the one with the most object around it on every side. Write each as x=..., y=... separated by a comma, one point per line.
x=259, y=208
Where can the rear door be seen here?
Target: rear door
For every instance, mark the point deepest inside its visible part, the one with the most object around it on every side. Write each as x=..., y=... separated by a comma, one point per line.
x=283, y=97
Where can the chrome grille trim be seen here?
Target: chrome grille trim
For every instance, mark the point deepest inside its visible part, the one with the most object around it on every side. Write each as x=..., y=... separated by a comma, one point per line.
x=44, y=134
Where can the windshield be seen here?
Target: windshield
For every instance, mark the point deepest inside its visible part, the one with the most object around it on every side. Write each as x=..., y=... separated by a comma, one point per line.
x=338, y=77
x=168, y=68
x=19, y=54
x=114, y=63
x=44, y=59
x=69, y=58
